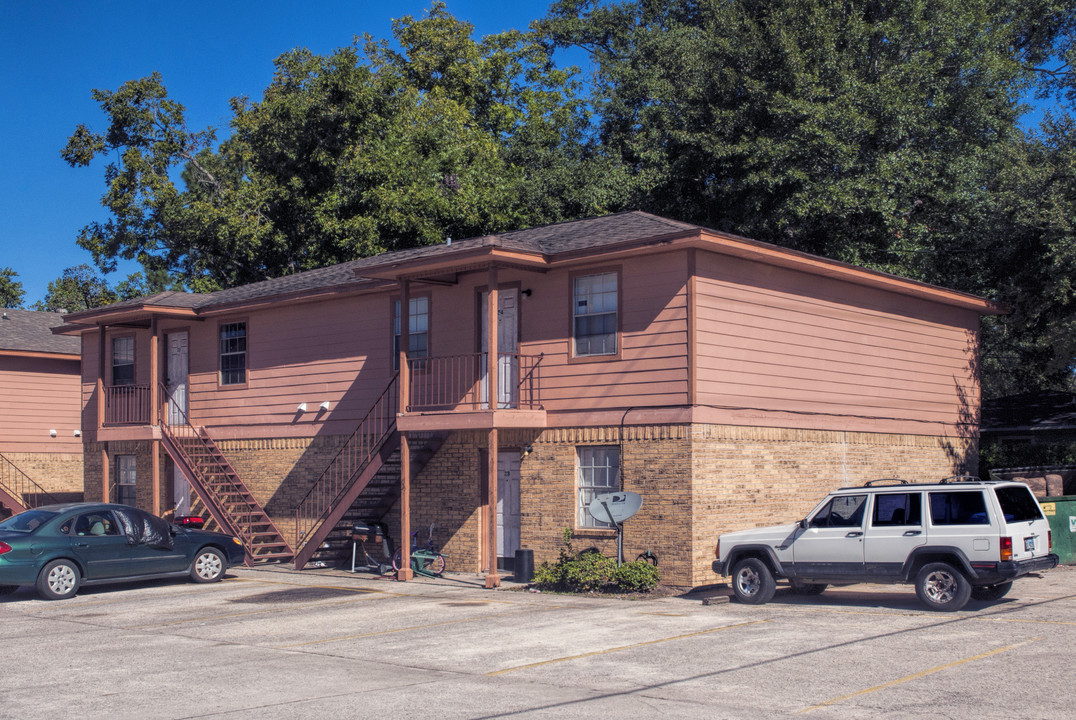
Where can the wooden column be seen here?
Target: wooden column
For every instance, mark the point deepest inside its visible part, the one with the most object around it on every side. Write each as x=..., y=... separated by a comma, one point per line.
x=100, y=376
x=405, y=573
x=104, y=473
x=492, y=374
x=154, y=412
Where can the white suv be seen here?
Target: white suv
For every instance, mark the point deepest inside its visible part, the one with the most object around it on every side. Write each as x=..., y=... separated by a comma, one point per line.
x=957, y=539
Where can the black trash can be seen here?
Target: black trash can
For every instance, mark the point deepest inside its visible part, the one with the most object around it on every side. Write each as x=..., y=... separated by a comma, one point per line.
x=524, y=566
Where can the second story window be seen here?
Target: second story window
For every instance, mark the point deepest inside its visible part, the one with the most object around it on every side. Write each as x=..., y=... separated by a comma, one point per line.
x=233, y=353
x=594, y=311
x=123, y=361
x=418, y=329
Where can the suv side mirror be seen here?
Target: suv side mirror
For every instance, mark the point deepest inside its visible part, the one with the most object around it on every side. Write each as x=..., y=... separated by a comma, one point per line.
x=804, y=523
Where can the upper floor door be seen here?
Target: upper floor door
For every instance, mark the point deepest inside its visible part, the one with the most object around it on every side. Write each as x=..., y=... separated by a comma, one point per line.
x=176, y=377
x=507, y=347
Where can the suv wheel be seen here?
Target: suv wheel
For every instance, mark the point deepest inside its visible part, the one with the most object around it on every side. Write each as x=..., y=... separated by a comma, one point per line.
x=990, y=592
x=752, y=581
x=941, y=587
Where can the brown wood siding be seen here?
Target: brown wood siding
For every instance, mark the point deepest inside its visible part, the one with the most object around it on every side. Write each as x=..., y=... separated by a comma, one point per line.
x=38, y=395
x=777, y=340
x=651, y=369
x=333, y=351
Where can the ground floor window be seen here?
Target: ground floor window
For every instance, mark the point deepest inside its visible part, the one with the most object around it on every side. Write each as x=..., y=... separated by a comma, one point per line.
x=125, y=479
x=598, y=472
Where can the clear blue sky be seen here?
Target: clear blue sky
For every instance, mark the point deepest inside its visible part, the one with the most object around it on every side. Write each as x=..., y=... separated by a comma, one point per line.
x=54, y=52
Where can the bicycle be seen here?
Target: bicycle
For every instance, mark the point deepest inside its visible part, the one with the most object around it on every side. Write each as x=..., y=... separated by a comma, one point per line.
x=425, y=560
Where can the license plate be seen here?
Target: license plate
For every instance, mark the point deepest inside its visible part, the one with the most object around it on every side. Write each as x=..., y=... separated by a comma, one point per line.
x=1029, y=544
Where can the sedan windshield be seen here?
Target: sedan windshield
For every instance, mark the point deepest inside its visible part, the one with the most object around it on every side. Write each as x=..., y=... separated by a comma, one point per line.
x=28, y=521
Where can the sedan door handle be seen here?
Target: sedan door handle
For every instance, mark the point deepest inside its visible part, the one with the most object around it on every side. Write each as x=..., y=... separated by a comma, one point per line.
x=913, y=533
x=82, y=544
x=854, y=533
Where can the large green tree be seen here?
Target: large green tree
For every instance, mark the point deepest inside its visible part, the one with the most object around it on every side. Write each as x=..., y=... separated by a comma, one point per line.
x=374, y=147
x=11, y=292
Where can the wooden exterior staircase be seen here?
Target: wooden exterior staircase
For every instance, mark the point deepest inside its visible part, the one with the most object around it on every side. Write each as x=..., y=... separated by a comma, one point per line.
x=355, y=466
x=228, y=500
x=18, y=491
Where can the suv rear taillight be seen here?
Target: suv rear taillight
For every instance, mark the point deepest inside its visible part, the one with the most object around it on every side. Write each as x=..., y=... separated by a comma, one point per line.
x=717, y=550
x=1049, y=539
x=1006, y=549
x=4, y=548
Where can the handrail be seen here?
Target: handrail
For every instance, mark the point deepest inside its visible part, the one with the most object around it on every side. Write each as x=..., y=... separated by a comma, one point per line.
x=21, y=486
x=126, y=405
x=454, y=382
x=242, y=524
x=352, y=456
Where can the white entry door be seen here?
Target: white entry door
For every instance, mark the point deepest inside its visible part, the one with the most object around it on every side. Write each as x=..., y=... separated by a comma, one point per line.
x=181, y=492
x=507, y=504
x=507, y=347
x=176, y=380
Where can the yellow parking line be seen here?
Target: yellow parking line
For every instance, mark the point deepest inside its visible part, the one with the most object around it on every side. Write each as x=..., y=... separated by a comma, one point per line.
x=918, y=675
x=623, y=647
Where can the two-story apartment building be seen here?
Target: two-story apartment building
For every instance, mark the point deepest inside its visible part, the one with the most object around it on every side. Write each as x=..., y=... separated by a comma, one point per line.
x=40, y=412
x=728, y=381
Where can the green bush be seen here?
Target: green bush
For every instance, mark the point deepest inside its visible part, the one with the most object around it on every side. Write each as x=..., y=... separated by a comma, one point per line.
x=593, y=572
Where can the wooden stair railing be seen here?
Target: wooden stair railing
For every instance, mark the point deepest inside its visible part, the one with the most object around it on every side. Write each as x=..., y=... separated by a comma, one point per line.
x=224, y=494
x=18, y=491
x=356, y=463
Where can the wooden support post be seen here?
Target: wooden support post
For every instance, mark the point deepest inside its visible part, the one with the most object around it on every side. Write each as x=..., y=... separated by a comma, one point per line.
x=405, y=572
x=104, y=473
x=154, y=412
x=492, y=578
x=101, y=377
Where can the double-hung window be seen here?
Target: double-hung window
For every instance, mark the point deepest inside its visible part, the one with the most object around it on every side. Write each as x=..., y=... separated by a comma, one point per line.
x=598, y=471
x=126, y=479
x=233, y=353
x=418, y=329
x=123, y=361
x=594, y=314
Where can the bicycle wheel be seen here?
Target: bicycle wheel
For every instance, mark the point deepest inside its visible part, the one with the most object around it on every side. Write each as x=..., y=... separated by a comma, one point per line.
x=434, y=565
x=397, y=559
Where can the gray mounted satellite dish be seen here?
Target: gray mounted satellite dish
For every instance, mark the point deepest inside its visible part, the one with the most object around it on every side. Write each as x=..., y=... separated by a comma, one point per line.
x=615, y=507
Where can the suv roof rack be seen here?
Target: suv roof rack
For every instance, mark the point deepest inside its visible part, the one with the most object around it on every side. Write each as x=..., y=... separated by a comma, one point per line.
x=960, y=478
x=895, y=481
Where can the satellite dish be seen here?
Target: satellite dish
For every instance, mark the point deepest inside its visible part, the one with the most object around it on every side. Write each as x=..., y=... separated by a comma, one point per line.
x=621, y=505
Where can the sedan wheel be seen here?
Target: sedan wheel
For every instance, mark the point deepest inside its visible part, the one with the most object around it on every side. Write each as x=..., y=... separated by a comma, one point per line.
x=208, y=566
x=58, y=580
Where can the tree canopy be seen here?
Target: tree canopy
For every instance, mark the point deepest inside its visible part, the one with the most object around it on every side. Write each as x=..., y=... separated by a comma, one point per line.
x=884, y=133
x=11, y=292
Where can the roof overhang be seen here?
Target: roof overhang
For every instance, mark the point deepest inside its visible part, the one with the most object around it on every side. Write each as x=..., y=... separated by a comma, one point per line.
x=41, y=355
x=448, y=264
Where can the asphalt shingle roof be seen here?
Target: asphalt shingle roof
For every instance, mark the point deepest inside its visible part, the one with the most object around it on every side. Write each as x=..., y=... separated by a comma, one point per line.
x=31, y=331
x=1046, y=410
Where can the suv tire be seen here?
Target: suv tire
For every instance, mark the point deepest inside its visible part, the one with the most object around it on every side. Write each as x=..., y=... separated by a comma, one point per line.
x=752, y=581
x=942, y=587
x=990, y=592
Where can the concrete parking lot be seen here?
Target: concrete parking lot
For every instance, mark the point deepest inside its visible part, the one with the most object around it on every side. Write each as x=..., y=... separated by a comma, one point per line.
x=273, y=643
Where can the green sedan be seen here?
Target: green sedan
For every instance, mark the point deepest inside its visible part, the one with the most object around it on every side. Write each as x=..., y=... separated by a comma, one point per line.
x=59, y=548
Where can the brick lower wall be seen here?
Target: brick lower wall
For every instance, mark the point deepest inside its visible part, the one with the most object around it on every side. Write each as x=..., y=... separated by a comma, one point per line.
x=59, y=474
x=697, y=481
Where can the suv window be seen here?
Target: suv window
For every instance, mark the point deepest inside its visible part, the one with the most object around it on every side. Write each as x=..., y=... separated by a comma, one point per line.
x=1017, y=503
x=958, y=508
x=897, y=509
x=841, y=511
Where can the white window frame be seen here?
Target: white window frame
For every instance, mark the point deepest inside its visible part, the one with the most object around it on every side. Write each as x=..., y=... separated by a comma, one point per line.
x=595, y=299
x=232, y=347
x=126, y=479
x=597, y=472
x=418, y=329
x=123, y=349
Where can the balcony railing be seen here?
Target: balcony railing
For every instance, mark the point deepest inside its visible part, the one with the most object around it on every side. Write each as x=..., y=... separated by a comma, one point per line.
x=460, y=383
x=127, y=405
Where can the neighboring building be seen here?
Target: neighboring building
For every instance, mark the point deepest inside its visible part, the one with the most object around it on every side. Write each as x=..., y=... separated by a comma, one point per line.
x=730, y=382
x=40, y=412
x=1036, y=432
